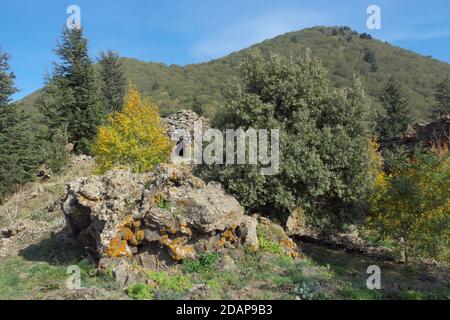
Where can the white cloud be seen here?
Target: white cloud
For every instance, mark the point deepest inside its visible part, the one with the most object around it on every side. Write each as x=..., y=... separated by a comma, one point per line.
x=245, y=33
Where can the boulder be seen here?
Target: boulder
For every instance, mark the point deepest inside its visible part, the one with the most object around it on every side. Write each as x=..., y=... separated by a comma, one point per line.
x=123, y=274
x=156, y=218
x=296, y=223
x=427, y=134
x=248, y=229
x=226, y=263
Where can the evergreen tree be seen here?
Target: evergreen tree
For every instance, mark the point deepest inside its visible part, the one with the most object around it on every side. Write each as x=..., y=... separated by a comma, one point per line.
x=113, y=81
x=370, y=58
x=442, y=97
x=18, y=149
x=197, y=107
x=7, y=88
x=324, y=138
x=71, y=98
x=397, y=116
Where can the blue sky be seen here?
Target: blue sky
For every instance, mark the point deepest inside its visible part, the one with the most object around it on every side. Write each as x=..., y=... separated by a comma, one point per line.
x=190, y=31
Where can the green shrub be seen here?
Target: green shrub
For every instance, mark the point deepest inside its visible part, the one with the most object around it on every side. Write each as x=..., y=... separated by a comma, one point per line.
x=203, y=264
x=164, y=204
x=269, y=245
x=353, y=293
x=139, y=291
x=324, y=137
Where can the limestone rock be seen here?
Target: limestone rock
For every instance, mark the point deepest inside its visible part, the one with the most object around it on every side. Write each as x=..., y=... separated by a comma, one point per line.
x=183, y=121
x=5, y=245
x=198, y=292
x=123, y=273
x=167, y=214
x=296, y=224
x=276, y=234
x=12, y=230
x=248, y=228
x=426, y=134
x=226, y=263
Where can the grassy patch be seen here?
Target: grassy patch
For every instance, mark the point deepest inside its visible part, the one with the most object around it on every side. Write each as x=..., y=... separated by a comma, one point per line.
x=23, y=279
x=349, y=291
x=42, y=215
x=204, y=264
x=167, y=281
x=412, y=295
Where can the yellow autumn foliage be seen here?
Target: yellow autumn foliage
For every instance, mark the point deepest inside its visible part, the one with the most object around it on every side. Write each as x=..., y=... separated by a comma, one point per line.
x=411, y=207
x=134, y=137
x=376, y=162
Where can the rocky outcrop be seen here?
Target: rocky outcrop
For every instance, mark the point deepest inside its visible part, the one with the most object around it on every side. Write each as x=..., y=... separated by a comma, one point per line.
x=183, y=121
x=155, y=218
x=296, y=223
x=428, y=134
x=350, y=240
x=274, y=238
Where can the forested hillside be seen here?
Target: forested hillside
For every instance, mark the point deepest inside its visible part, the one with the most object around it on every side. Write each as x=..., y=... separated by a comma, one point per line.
x=343, y=52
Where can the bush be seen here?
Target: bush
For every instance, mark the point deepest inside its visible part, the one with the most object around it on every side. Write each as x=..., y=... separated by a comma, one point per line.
x=204, y=264
x=412, y=206
x=139, y=291
x=269, y=245
x=324, y=133
x=133, y=137
x=56, y=152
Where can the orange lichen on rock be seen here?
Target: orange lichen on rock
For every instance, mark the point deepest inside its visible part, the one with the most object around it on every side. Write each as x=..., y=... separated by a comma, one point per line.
x=138, y=237
x=117, y=248
x=185, y=229
x=290, y=248
x=168, y=230
x=136, y=224
x=178, y=248
x=229, y=235
x=158, y=198
x=127, y=221
x=126, y=233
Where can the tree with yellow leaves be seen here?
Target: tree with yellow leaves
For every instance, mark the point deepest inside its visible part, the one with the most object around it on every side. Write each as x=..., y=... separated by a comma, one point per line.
x=133, y=137
x=411, y=206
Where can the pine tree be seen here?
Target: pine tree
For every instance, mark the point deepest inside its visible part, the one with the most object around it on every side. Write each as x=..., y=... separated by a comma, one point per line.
x=370, y=58
x=397, y=116
x=442, y=97
x=7, y=88
x=18, y=150
x=113, y=81
x=197, y=107
x=71, y=97
x=7, y=120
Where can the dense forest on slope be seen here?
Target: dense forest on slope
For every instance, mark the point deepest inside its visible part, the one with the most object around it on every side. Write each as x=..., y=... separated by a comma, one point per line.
x=344, y=52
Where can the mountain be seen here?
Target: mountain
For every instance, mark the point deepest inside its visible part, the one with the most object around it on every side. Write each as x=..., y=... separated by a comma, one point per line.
x=344, y=52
